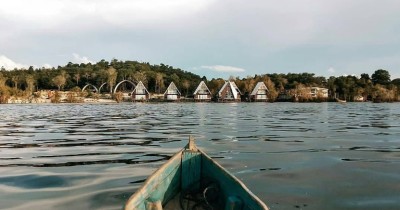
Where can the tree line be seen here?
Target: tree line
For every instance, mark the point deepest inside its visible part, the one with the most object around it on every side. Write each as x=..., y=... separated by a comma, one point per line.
x=377, y=87
x=24, y=82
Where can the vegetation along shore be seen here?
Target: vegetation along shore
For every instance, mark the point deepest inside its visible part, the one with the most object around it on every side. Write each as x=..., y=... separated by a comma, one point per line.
x=117, y=81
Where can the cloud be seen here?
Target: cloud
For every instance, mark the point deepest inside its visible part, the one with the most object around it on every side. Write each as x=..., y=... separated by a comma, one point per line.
x=124, y=13
x=78, y=59
x=9, y=64
x=220, y=68
x=47, y=66
x=264, y=35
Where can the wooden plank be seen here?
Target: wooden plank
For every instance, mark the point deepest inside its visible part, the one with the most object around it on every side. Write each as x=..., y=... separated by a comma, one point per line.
x=159, y=187
x=233, y=203
x=191, y=170
x=154, y=205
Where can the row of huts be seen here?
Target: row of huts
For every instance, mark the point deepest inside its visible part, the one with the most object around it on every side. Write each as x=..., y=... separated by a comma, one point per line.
x=228, y=93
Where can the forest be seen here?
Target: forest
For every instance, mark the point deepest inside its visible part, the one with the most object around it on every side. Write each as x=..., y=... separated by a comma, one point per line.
x=25, y=82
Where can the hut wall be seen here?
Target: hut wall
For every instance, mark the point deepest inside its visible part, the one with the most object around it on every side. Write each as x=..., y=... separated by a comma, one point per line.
x=172, y=97
x=202, y=97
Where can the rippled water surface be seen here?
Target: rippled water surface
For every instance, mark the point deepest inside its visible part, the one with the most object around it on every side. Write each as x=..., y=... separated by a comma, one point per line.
x=293, y=156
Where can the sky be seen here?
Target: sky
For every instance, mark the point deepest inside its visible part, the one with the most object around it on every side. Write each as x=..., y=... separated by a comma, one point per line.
x=212, y=38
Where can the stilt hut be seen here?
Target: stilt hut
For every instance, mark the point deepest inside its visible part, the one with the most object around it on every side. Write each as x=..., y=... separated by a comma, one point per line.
x=172, y=93
x=229, y=92
x=202, y=93
x=259, y=92
x=140, y=93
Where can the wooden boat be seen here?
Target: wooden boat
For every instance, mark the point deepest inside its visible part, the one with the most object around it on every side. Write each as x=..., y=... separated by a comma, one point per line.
x=340, y=101
x=192, y=180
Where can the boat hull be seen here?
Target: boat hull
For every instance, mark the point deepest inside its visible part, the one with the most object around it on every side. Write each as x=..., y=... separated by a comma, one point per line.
x=191, y=178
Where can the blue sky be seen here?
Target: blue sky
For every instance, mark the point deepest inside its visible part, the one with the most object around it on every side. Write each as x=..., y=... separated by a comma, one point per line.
x=207, y=37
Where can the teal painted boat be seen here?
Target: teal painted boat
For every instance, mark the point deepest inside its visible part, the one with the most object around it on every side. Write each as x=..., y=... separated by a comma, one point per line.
x=192, y=180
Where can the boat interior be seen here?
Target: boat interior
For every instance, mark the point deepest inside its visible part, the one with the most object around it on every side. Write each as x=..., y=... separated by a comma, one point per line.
x=191, y=180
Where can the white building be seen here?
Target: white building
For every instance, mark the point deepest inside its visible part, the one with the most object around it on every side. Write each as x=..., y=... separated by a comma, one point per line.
x=319, y=92
x=259, y=92
x=202, y=93
x=172, y=93
x=140, y=92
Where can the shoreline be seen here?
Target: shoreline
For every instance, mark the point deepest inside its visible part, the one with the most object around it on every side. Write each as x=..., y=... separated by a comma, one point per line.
x=67, y=97
x=110, y=101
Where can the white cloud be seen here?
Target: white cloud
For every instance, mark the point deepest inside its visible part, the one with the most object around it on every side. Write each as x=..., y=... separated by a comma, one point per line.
x=47, y=66
x=9, y=64
x=331, y=70
x=125, y=13
x=220, y=68
x=78, y=59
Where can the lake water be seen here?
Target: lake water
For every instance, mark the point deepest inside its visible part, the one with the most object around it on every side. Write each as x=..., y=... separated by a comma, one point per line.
x=292, y=155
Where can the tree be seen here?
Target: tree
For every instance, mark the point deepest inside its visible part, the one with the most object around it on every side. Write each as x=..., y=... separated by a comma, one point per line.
x=215, y=84
x=332, y=86
x=186, y=85
x=272, y=93
x=87, y=72
x=4, y=92
x=77, y=77
x=3, y=80
x=111, y=77
x=15, y=79
x=249, y=85
x=175, y=78
x=30, y=83
x=302, y=92
x=159, y=82
x=140, y=76
x=365, y=76
x=381, y=94
x=380, y=76
x=59, y=81
x=396, y=82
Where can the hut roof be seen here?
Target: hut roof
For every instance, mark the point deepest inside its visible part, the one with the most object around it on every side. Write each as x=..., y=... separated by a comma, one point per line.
x=233, y=87
x=202, y=87
x=260, y=85
x=172, y=89
x=140, y=86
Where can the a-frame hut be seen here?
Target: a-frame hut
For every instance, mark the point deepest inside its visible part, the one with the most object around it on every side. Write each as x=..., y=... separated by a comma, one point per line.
x=172, y=93
x=260, y=92
x=202, y=93
x=229, y=92
x=140, y=93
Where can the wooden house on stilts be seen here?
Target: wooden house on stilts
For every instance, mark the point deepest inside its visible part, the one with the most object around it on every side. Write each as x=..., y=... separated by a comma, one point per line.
x=202, y=93
x=140, y=93
x=260, y=92
x=172, y=93
x=229, y=92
